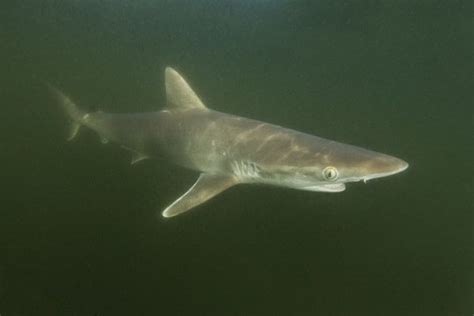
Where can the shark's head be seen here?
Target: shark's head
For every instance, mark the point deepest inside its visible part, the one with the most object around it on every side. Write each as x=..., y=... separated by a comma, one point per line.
x=329, y=169
x=341, y=167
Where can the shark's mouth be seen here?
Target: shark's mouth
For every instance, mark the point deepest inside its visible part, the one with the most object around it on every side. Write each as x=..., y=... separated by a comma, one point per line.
x=330, y=187
x=384, y=174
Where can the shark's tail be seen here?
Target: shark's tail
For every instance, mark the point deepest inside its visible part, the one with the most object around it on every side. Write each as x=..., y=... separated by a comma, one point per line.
x=76, y=115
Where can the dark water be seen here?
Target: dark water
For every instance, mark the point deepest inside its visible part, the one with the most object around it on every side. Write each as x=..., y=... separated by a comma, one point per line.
x=78, y=233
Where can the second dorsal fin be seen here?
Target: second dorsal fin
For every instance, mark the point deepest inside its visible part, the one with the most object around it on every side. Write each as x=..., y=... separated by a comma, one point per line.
x=178, y=92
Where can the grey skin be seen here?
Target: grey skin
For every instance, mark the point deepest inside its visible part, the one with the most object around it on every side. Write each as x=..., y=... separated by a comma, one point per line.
x=228, y=149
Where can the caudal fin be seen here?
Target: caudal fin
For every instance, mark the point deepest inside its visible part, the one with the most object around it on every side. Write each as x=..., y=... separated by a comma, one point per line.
x=75, y=115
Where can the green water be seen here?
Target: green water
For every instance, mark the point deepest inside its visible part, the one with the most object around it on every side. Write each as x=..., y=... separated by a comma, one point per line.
x=78, y=232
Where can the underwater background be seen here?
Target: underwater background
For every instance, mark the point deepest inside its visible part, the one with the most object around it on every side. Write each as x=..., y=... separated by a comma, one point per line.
x=79, y=232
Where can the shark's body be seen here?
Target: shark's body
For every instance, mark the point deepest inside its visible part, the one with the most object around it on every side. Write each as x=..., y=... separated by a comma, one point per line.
x=229, y=149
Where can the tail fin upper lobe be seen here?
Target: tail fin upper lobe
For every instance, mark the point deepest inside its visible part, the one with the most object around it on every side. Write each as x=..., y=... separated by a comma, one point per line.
x=71, y=110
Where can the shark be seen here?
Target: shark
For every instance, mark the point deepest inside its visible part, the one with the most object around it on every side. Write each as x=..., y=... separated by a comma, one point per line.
x=227, y=149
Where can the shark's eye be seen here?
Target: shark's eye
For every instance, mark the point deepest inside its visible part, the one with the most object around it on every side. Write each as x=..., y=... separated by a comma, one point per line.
x=330, y=173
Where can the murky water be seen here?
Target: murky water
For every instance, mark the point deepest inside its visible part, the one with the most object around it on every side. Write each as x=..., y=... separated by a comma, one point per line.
x=78, y=232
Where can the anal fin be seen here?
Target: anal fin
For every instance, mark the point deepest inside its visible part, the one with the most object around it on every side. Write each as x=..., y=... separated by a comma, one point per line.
x=206, y=187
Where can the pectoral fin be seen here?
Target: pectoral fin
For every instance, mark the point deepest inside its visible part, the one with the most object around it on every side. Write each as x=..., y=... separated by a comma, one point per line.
x=206, y=187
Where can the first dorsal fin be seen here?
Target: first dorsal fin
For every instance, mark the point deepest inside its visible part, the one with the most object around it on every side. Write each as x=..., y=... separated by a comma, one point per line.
x=178, y=92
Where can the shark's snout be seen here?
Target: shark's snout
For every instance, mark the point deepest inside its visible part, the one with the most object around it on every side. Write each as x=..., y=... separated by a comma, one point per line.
x=385, y=166
x=402, y=165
